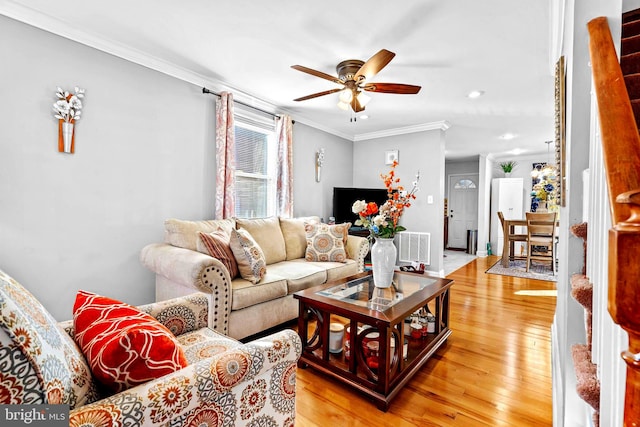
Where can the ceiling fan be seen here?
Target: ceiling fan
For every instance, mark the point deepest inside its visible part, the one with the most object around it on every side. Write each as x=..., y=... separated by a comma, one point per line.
x=354, y=76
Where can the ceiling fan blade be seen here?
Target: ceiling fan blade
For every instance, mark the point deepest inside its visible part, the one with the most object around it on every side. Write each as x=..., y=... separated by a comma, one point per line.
x=374, y=64
x=317, y=73
x=315, y=95
x=392, y=88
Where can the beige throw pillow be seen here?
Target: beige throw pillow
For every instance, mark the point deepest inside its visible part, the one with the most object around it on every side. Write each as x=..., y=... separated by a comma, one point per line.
x=267, y=234
x=184, y=233
x=326, y=242
x=295, y=238
x=249, y=256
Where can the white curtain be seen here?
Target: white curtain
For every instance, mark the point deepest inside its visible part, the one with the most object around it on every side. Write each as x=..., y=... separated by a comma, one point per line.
x=225, y=161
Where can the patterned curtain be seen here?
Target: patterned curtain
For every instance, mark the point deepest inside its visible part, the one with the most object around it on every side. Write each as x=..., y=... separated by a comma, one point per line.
x=284, y=191
x=225, y=149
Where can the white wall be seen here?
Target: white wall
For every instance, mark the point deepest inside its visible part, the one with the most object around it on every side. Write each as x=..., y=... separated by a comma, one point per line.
x=569, y=327
x=424, y=152
x=311, y=197
x=144, y=152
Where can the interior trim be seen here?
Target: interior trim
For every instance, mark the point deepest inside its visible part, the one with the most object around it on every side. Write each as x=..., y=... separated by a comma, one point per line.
x=60, y=28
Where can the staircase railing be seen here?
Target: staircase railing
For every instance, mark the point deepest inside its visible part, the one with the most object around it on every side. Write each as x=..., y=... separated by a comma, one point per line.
x=621, y=152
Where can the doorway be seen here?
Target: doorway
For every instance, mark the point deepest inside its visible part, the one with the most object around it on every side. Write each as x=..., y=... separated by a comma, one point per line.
x=463, y=208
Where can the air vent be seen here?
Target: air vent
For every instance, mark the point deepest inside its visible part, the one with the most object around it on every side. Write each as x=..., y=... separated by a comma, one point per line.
x=414, y=247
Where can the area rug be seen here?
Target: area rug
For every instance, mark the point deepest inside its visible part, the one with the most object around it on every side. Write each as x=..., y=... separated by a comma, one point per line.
x=517, y=268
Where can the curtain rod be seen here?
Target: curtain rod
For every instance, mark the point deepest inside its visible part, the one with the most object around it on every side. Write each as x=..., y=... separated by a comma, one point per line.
x=205, y=90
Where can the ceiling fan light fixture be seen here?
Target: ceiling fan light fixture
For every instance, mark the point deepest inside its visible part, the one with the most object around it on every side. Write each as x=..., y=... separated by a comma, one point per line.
x=346, y=96
x=343, y=106
x=363, y=98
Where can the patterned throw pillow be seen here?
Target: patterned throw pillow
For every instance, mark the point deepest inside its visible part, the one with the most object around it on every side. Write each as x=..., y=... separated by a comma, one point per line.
x=217, y=244
x=124, y=346
x=326, y=242
x=39, y=362
x=249, y=256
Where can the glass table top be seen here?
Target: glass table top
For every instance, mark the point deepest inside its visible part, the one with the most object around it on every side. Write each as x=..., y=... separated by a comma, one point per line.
x=362, y=292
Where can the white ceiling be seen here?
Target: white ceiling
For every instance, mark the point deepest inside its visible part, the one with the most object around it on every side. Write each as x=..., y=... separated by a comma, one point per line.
x=449, y=47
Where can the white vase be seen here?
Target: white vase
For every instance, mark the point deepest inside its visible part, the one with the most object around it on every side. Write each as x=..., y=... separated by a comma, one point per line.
x=67, y=136
x=383, y=261
x=542, y=206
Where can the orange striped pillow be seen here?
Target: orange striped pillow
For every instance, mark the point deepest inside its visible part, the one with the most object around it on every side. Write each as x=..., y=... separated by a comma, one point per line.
x=217, y=245
x=123, y=345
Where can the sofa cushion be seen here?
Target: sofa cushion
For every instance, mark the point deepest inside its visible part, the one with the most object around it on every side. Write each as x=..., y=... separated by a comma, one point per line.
x=218, y=245
x=184, y=234
x=334, y=270
x=62, y=375
x=295, y=238
x=268, y=235
x=249, y=256
x=326, y=242
x=299, y=275
x=245, y=294
x=123, y=345
x=205, y=343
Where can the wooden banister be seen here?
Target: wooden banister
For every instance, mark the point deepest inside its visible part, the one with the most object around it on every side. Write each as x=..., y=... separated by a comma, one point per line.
x=621, y=153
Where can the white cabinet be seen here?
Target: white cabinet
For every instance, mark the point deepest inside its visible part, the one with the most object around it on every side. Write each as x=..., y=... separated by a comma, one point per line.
x=507, y=195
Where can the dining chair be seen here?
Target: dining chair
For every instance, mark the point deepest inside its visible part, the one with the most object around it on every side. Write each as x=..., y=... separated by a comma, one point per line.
x=541, y=237
x=512, y=238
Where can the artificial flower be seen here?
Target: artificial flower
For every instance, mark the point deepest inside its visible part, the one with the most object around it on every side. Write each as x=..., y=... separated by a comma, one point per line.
x=382, y=221
x=69, y=105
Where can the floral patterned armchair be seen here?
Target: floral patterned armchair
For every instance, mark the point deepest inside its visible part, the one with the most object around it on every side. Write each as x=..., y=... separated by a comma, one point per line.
x=225, y=383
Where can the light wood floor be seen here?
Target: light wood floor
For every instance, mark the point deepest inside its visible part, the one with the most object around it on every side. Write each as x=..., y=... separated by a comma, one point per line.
x=495, y=369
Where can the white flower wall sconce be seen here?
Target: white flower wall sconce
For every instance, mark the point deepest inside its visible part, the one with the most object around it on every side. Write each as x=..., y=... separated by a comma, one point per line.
x=67, y=109
x=319, y=163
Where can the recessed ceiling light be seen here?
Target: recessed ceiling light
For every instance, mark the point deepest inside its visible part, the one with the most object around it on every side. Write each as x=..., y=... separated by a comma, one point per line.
x=475, y=94
x=507, y=136
x=364, y=117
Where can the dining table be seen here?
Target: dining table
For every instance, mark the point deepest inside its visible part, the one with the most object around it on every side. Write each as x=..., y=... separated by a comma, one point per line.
x=508, y=228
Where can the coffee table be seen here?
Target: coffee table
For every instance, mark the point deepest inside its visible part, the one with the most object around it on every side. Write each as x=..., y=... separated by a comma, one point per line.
x=382, y=356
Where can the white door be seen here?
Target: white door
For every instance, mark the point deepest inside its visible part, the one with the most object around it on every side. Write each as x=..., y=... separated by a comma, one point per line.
x=463, y=208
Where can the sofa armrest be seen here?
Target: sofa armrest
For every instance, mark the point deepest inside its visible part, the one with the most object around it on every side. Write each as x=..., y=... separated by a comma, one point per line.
x=180, y=315
x=183, y=272
x=260, y=386
x=357, y=249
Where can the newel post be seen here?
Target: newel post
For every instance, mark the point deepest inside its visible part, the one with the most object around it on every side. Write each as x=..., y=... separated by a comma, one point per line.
x=624, y=294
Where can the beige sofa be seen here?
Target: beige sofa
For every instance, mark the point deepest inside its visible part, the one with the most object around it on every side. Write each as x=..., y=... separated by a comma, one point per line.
x=241, y=308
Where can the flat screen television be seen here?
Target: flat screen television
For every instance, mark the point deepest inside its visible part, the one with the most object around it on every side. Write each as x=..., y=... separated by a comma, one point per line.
x=343, y=198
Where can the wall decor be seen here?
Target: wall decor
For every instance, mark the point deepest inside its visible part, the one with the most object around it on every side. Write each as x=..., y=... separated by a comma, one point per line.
x=67, y=109
x=560, y=131
x=390, y=156
x=319, y=163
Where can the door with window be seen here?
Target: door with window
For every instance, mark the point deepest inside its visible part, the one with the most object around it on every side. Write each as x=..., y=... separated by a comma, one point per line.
x=463, y=208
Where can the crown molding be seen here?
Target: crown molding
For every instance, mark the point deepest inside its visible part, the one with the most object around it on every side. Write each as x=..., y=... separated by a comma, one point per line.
x=60, y=28
x=439, y=125
x=306, y=121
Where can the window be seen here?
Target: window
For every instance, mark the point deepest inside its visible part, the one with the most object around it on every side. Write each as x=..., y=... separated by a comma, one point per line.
x=464, y=184
x=255, y=165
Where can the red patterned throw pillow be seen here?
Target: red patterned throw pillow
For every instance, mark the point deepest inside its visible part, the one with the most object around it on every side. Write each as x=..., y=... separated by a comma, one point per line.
x=123, y=345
